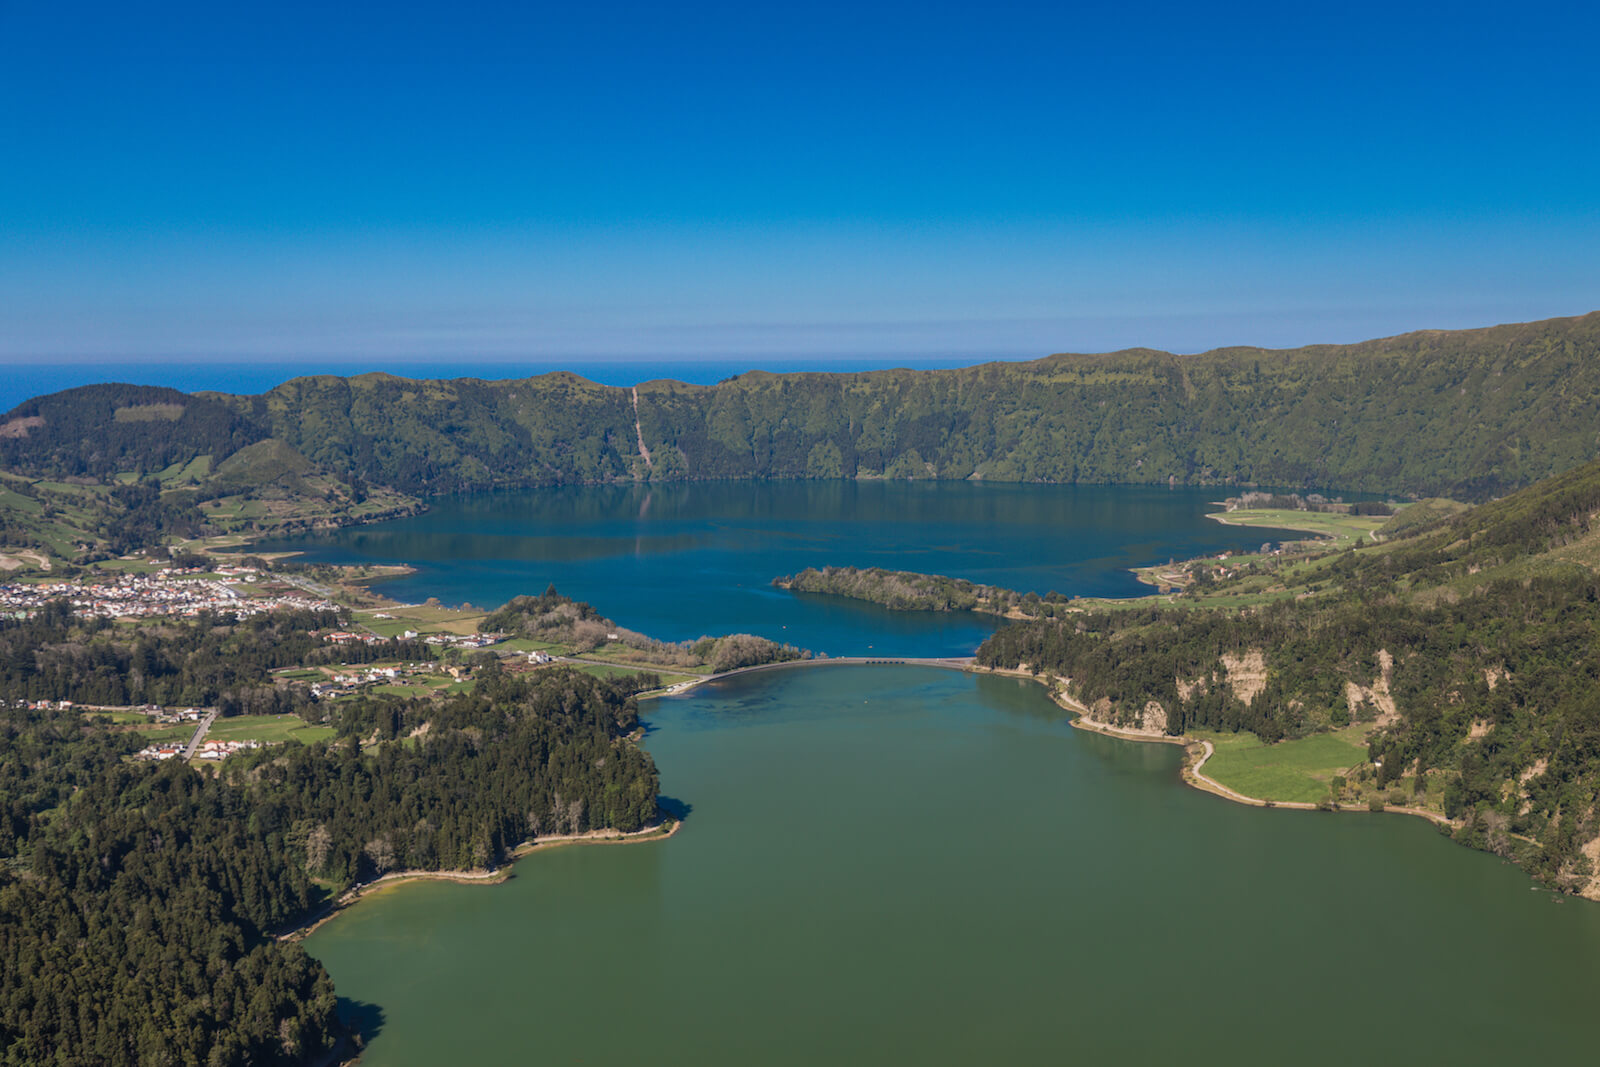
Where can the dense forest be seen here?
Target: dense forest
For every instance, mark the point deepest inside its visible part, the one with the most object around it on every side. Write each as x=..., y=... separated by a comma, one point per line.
x=1467, y=413
x=911, y=591
x=139, y=902
x=1473, y=647
x=215, y=660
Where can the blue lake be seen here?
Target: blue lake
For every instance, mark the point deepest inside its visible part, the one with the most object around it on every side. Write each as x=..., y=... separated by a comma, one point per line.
x=683, y=560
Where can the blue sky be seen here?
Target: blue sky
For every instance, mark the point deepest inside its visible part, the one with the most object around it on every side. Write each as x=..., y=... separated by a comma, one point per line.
x=392, y=183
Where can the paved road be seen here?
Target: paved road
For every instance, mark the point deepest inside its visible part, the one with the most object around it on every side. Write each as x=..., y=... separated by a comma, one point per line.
x=579, y=662
x=199, y=734
x=954, y=663
x=307, y=584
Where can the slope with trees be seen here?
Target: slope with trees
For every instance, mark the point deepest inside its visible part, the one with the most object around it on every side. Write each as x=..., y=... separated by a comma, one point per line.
x=1465, y=413
x=1470, y=647
x=139, y=901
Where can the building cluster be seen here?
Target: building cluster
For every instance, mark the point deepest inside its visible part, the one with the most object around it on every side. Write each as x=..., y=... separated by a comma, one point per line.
x=460, y=640
x=348, y=637
x=216, y=750
x=351, y=637
x=166, y=593
x=176, y=714
x=350, y=679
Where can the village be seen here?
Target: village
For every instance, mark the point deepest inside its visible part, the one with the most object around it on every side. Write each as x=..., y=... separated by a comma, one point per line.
x=207, y=750
x=197, y=734
x=166, y=593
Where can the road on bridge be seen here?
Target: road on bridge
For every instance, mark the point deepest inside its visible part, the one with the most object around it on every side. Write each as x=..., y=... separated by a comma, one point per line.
x=953, y=663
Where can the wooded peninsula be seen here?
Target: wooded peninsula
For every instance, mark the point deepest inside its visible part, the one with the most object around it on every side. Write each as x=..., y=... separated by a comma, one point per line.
x=144, y=886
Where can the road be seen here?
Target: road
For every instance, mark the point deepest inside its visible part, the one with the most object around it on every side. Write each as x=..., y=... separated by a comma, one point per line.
x=953, y=663
x=200, y=734
x=315, y=588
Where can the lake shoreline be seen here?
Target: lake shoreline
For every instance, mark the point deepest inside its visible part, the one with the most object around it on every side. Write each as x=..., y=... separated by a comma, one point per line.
x=1192, y=772
x=493, y=876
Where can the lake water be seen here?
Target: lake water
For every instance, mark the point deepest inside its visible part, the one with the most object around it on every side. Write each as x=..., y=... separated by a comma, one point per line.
x=906, y=865
x=684, y=560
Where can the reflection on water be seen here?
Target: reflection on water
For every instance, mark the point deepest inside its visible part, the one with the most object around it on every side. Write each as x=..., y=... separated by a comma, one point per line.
x=908, y=865
x=683, y=560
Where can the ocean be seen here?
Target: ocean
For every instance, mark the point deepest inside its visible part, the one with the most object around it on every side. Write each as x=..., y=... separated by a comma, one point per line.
x=22, y=381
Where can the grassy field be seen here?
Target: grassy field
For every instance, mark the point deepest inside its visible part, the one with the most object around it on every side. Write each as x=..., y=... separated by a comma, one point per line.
x=155, y=735
x=118, y=718
x=128, y=566
x=1290, y=770
x=528, y=644
x=423, y=618
x=418, y=687
x=606, y=670
x=267, y=729
x=674, y=679
x=1341, y=530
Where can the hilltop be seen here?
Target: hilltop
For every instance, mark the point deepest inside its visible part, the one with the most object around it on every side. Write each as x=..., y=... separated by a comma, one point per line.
x=1467, y=414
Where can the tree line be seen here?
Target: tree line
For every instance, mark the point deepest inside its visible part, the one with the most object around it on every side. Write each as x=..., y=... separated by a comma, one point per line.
x=139, y=901
x=1468, y=413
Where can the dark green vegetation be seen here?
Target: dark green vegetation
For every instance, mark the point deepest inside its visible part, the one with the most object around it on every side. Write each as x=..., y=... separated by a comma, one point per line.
x=213, y=661
x=551, y=617
x=1466, y=413
x=109, y=469
x=1472, y=646
x=138, y=901
x=1419, y=515
x=910, y=591
x=912, y=866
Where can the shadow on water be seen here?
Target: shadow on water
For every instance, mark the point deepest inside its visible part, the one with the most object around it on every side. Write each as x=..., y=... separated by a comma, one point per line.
x=674, y=808
x=363, y=1020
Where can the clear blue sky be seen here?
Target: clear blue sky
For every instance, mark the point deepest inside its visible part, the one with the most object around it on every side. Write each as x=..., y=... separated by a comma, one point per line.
x=397, y=182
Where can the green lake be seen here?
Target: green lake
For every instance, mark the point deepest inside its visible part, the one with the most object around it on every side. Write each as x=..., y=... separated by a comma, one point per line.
x=908, y=865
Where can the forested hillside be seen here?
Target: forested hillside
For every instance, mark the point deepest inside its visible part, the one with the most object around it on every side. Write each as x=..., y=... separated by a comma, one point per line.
x=912, y=591
x=139, y=901
x=1472, y=647
x=551, y=617
x=1468, y=414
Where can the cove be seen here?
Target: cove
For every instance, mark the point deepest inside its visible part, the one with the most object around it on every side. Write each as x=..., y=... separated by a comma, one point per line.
x=896, y=864
x=682, y=560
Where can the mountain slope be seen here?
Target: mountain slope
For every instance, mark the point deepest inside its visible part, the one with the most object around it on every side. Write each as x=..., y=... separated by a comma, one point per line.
x=1468, y=413
x=1471, y=650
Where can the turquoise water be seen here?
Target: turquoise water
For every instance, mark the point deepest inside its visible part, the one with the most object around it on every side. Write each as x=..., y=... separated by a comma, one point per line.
x=904, y=865
x=683, y=560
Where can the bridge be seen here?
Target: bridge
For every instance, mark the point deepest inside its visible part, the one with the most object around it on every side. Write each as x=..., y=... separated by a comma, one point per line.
x=951, y=663
x=954, y=663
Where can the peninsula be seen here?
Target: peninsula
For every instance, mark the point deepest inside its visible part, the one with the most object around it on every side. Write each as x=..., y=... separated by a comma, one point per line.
x=1435, y=660
x=106, y=468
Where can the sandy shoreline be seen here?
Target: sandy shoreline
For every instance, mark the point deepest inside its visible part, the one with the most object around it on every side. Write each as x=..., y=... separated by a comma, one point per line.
x=480, y=877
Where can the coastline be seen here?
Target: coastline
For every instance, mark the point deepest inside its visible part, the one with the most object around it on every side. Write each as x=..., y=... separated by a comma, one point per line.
x=494, y=876
x=1196, y=752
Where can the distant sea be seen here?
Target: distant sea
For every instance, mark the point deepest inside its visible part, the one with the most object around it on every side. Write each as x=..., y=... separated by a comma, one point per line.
x=22, y=381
